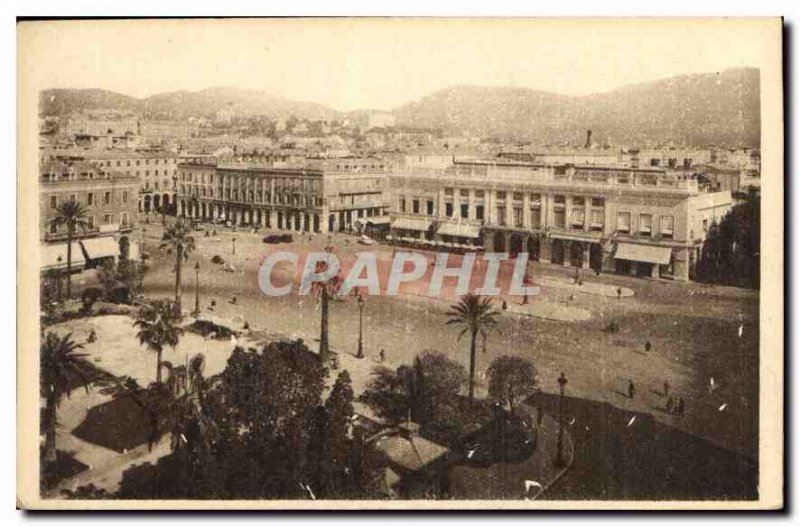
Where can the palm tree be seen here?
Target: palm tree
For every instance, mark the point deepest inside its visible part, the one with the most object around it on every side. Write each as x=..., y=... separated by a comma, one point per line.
x=476, y=314
x=59, y=366
x=73, y=215
x=177, y=237
x=158, y=327
x=323, y=291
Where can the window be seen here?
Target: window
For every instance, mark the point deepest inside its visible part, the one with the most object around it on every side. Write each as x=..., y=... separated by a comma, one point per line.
x=479, y=212
x=90, y=222
x=125, y=196
x=578, y=201
x=624, y=222
x=464, y=211
x=401, y=205
x=667, y=226
x=73, y=198
x=448, y=209
x=598, y=202
x=501, y=215
x=90, y=199
x=107, y=219
x=501, y=196
x=536, y=210
x=415, y=206
x=53, y=228
x=429, y=207
x=517, y=213
x=559, y=218
x=559, y=199
x=107, y=198
x=53, y=201
x=597, y=220
x=578, y=217
x=463, y=193
x=645, y=224
x=123, y=219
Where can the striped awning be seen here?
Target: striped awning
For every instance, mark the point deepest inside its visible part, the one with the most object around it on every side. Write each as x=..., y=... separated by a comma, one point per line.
x=54, y=256
x=643, y=253
x=378, y=220
x=100, y=247
x=459, y=230
x=406, y=223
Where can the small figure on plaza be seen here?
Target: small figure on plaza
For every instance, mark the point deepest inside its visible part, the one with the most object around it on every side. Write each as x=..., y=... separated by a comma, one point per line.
x=666, y=388
x=631, y=389
x=233, y=300
x=92, y=336
x=670, y=405
x=382, y=355
x=619, y=293
x=647, y=346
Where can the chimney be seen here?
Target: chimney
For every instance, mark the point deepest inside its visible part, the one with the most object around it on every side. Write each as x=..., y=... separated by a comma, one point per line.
x=588, y=139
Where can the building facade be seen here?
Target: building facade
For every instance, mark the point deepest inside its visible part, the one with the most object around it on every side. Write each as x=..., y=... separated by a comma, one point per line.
x=109, y=199
x=155, y=170
x=642, y=221
x=322, y=195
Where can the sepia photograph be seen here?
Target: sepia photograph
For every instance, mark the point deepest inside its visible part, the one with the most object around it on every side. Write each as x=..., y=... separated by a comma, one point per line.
x=400, y=263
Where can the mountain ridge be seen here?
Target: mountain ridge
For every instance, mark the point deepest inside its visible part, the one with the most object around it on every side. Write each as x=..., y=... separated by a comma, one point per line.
x=695, y=109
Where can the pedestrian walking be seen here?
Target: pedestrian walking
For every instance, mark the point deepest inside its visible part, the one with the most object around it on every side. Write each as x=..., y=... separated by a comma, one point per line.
x=619, y=293
x=666, y=388
x=647, y=346
x=382, y=355
x=92, y=336
x=670, y=405
x=681, y=406
x=233, y=300
x=631, y=389
x=505, y=305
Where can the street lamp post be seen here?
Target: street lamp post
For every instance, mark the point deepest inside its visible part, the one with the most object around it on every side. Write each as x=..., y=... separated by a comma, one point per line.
x=562, y=381
x=233, y=245
x=144, y=230
x=361, y=303
x=196, y=312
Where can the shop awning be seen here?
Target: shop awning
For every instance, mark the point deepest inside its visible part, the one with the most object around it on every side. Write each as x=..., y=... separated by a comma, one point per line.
x=55, y=256
x=459, y=230
x=644, y=253
x=406, y=223
x=587, y=237
x=100, y=247
x=379, y=220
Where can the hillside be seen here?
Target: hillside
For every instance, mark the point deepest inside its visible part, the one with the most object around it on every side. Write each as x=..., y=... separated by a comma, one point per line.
x=183, y=104
x=714, y=108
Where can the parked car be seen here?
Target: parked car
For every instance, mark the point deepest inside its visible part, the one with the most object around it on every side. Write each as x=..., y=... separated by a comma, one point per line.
x=366, y=240
x=274, y=239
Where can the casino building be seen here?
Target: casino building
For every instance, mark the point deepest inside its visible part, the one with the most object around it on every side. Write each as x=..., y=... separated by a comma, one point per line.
x=641, y=221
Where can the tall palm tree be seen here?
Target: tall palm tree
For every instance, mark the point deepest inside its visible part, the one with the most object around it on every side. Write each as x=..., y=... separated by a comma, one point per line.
x=323, y=291
x=59, y=367
x=158, y=328
x=476, y=314
x=73, y=215
x=178, y=238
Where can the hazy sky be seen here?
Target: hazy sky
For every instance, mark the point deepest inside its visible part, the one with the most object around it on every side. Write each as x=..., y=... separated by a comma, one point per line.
x=380, y=63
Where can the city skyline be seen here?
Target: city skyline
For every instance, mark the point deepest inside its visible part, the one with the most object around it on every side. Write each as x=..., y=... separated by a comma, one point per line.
x=382, y=68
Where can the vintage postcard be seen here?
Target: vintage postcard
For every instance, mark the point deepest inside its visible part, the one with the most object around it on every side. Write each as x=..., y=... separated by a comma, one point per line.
x=400, y=263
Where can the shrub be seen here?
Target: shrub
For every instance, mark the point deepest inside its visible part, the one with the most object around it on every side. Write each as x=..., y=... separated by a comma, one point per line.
x=90, y=296
x=217, y=259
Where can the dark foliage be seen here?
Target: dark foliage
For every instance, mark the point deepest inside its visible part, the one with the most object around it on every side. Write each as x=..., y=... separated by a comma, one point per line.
x=731, y=253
